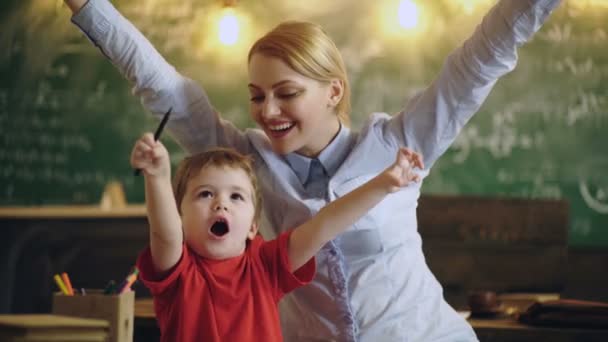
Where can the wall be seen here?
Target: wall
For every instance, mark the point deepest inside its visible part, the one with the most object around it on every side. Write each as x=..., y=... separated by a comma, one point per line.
x=67, y=119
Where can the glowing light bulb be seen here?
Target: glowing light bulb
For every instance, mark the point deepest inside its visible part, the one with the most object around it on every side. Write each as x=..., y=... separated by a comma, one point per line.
x=228, y=26
x=407, y=14
x=468, y=7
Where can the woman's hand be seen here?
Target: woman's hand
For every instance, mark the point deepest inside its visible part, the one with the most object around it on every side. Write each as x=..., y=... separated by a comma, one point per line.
x=75, y=5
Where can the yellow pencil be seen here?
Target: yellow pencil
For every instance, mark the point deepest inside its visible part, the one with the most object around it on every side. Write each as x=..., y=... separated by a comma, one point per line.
x=60, y=284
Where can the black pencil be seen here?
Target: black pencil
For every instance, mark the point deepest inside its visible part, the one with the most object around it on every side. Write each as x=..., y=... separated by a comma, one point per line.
x=158, y=132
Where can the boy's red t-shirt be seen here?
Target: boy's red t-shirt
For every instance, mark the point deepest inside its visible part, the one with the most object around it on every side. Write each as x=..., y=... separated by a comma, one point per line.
x=224, y=300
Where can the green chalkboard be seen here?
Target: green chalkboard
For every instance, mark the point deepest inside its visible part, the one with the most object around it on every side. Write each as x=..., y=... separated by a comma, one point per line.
x=68, y=119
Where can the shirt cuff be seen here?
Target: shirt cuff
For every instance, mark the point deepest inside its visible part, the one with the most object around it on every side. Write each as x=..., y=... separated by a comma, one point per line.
x=94, y=19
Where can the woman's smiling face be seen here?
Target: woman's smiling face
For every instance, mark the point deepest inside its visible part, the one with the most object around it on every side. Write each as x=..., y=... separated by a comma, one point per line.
x=297, y=113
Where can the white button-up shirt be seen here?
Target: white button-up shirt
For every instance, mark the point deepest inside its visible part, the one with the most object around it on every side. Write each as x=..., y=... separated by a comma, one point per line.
x=372, y=283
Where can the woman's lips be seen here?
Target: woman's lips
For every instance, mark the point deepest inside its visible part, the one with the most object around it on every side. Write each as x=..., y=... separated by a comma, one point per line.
x=280, y=133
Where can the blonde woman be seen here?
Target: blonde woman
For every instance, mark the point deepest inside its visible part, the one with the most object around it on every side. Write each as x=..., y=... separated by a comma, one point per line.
x=372, y=282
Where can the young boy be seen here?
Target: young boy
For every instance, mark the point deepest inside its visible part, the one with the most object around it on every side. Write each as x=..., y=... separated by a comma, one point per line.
x=212, y=276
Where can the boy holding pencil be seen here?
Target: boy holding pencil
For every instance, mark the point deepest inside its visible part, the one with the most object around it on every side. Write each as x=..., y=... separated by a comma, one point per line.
x=213, y=278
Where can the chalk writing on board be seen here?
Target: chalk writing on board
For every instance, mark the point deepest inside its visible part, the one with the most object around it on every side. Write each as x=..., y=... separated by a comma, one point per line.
x=596, y=199
x=582, y=226
x=593, y=185
x=500, y=140
x=585, y=107
x=568, y=64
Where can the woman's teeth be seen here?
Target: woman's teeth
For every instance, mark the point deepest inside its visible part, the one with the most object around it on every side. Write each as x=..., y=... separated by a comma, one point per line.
x=281, y=127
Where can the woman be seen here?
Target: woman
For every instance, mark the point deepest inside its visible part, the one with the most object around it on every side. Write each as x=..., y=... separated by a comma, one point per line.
x=373, y=283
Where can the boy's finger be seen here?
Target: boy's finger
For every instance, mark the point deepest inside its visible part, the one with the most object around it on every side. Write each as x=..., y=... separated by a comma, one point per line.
x=400, y=159
x=413, y=157
x=148, y=139
x=418, y=161
x=150, y=154
x=142, y=145
x=406, y=152
x=157, y=152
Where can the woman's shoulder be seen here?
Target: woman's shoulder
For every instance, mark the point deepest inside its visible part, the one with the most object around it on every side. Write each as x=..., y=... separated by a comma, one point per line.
x=257, y=136
x=261, y=145
x=372, y=128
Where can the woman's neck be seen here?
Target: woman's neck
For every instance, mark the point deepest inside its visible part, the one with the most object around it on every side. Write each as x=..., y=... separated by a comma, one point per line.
x=323, y=141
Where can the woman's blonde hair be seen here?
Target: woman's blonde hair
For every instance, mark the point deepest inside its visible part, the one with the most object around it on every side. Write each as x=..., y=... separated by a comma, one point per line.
x=308, y=50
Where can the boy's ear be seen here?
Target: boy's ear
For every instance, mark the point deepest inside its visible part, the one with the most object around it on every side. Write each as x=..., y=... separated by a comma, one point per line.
x=336, y=91
x=253, y=231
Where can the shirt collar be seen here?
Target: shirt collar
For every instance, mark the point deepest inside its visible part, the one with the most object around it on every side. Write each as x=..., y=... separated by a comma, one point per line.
x=331, y=157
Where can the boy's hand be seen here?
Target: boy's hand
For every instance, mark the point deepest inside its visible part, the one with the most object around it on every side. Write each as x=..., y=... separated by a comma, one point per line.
x=401, y=173
x=151, y=157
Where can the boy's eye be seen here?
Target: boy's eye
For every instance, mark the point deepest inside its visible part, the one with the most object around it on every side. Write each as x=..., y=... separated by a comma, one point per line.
x=205, y=194
x=237, y=196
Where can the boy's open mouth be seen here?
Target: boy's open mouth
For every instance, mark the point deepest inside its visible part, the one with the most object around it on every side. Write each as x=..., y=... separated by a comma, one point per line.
x=220, y=228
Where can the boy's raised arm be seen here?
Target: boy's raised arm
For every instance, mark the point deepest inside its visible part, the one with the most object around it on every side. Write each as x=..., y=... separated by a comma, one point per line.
x=307, y=239
x=166, y=237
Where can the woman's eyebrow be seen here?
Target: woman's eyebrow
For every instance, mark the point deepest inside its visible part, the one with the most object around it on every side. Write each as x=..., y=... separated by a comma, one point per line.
x=278, y=84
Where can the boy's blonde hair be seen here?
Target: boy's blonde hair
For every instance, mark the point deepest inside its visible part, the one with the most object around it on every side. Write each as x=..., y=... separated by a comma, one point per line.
x=218, y=157
x=308, y=50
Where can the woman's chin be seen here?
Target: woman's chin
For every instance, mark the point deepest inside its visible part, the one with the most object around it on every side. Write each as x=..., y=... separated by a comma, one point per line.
x=282, y=148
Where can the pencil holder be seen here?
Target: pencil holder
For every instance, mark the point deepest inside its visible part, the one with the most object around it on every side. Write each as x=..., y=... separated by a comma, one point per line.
x=117, y=309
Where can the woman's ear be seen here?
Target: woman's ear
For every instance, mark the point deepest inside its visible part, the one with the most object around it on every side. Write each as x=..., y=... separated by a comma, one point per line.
x=336, y=91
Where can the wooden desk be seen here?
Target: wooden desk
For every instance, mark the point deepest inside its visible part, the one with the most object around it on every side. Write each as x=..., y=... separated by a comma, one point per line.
x=45, y=327
x=72, y=212
x=494, y=330
x=508, y=329
x=145, y=327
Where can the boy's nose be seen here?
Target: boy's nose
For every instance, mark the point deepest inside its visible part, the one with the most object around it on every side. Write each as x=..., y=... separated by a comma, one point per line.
x=219, y=207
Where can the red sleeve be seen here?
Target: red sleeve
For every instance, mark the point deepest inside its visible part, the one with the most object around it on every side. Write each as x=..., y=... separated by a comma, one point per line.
x=151, y=279
x=275, y=256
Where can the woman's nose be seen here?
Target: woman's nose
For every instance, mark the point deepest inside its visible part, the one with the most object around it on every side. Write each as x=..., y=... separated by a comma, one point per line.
x=270, y=108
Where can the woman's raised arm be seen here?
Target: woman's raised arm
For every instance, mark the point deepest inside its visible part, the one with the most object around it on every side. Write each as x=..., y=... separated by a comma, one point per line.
x=432, y=120
x=194, y=122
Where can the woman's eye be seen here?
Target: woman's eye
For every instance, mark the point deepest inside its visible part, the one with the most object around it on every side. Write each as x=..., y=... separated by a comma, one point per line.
x=205, y=194
x=289, y=95
x=237, y=196
x=257, y=99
